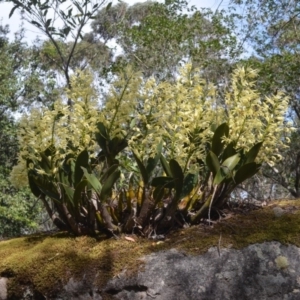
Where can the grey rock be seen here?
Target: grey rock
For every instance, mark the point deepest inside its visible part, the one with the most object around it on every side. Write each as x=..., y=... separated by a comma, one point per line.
x=260, y=271
x=3, y=288
x=278, y=211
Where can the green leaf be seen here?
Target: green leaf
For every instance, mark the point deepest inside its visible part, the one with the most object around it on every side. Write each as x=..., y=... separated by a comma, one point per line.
x=78, y=192
x=116, y=145
x=110, y=170
x=33, y=187
x=102, y=136
x=142, y=169
x=69, y=192
x=220, y=176
x=226, y=168
x=163, y=181
x=246, y=171
x=177, y=175
x=165, y=166
x=108, y=185
x=189, y=182
x=65, y=31
x=228, y=151
x=252, y=153
x=81, y=161
x=212, y=162
x=65, y=183
x=53, y=195
x=36, y=24
x=78, y=5
x=72, y=172
x=230, y=163
x=217, y=144
x=93, y=181
x=45, y=163
x=48, y=22
x=13, y=9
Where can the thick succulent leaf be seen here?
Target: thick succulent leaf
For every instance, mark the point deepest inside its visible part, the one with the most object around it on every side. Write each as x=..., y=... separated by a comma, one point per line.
x=252, y=153
x=110, y=170
x=246, y=171
x=230, y=163
x=108, y=185
x=93, y=181
x=81, y=161
x=228, y=151
x=65, y=183
x=217, y=145
x=45, y=186
x=212, y=162
x=226, y=168
x=165, y=166
x=177, y=175
x=45, y=163
x=220, y=176
x=33, y=187
x=142, y=168
x=53, y=195
x=102, y=136
x=116, y=145
x=166, y=182
x=176, y=170
x=77, y=197
x=152, y=162
x=189, y=182
x=69, y=193
x=72, y=172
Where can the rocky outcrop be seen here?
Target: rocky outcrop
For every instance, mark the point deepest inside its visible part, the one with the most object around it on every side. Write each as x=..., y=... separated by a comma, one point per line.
x=260, y=271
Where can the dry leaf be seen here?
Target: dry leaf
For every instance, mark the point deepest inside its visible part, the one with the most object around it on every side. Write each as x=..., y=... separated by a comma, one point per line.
x=128, y=238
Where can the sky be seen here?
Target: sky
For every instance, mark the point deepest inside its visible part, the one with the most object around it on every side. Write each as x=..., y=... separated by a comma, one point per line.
x=31, y=32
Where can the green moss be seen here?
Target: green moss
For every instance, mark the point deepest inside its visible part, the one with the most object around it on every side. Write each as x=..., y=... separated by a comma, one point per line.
x=48, y=262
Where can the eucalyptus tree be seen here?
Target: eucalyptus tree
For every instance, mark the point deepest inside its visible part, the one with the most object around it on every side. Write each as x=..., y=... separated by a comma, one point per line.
x=62, y=23
x=156, y=38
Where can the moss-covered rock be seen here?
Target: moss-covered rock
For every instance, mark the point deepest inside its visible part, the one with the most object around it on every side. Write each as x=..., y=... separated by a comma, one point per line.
x=46, y=263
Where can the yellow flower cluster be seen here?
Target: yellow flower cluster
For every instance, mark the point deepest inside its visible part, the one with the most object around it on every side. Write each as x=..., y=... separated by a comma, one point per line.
x=122, y=103
x=180, y=114
x=253, y=119
x=60, y=126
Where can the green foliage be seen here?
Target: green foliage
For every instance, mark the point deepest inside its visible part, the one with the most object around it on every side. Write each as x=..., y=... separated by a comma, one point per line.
x=156, y=37
x=20, y=212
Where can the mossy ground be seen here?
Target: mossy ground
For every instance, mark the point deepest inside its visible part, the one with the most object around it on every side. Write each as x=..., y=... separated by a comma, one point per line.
x=48, y=261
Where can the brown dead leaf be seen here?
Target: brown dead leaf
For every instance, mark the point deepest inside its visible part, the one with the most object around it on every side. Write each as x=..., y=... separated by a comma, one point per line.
x=128, y=238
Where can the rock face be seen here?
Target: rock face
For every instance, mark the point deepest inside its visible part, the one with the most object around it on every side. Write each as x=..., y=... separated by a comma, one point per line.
x=261, y=271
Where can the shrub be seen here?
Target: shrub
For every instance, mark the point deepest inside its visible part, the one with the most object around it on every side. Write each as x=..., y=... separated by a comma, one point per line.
x=152, y=156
